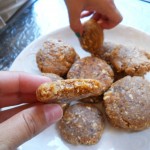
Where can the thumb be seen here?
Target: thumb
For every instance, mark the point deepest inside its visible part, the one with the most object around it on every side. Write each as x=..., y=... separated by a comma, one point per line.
x=26, y=124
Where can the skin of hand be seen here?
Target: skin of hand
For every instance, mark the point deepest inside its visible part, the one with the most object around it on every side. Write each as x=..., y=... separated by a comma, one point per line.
x=17, y=125
x=103, y=11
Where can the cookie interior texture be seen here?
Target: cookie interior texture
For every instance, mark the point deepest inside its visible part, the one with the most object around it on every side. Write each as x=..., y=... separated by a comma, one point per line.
x=69, y=90
x=127, y=103
x=81, y=124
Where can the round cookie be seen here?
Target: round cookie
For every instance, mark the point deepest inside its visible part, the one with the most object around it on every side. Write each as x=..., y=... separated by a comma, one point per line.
x=127, y=103
x=92, y=37
x=68, y=90
x=81, y=124
x=92, y=68
x=55, y=57
x=52, y=76
x=132, y=61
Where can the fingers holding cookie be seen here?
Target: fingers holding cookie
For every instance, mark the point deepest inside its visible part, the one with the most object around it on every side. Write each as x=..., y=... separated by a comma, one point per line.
x=69, y=90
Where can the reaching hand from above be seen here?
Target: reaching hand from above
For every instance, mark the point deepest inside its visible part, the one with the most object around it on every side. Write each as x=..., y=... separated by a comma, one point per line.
x=103, y=11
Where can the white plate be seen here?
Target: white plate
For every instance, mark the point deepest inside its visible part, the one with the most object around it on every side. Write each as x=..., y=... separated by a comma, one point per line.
x=112, y=139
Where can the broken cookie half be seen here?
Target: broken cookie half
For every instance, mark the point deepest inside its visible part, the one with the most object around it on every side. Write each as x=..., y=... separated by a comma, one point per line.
x=69, y=90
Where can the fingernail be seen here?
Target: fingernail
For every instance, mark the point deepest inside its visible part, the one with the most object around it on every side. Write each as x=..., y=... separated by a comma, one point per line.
x=78, y=34
x=53, y=113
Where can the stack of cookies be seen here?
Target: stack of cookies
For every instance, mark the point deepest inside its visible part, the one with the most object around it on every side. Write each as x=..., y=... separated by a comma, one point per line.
x=111, y=78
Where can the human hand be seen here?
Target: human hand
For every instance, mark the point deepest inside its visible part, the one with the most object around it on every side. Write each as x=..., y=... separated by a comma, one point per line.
x=22, y=123
x=103, y=11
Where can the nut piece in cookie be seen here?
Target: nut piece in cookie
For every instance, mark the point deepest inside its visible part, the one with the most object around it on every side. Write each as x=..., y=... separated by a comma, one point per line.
x=132, y=61
x=52, y=76
x=55, y=57
x=92, y=68
x=127, y=103
x=68, y=90
x=81, y=124
x=92, y=37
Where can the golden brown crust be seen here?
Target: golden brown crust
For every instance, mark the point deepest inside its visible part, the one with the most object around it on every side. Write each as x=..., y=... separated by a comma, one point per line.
x=69, y=90
x=132, y=61
x=55, y=57
x=92, y=38
x=81, y=124
x=92, y=68
x=127, y=103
